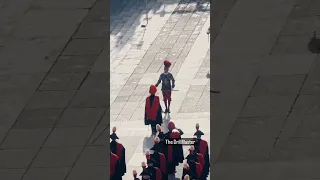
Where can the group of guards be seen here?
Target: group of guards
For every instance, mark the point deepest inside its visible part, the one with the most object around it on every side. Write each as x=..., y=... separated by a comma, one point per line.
x=165, y=157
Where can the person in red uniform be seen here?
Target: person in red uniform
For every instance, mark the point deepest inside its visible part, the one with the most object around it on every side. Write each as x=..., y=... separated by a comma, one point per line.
x=195, y=167
x=197, y=156
x=201, y=146
x=153, y=110
x=155, y=172
x=172, y=126
x=168, y=83
x=115, y=173
x=173, y=153
x=118, y=149
x=159, y=158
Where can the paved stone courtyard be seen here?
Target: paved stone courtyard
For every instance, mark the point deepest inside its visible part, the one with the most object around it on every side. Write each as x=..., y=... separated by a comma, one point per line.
x=54, y=102
x=54, y=81
x=265, y=120
x=175, y=31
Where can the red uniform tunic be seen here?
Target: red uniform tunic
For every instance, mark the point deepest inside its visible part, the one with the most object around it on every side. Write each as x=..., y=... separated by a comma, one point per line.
x=163, y=161
x=113, y=163
x=174, y=135
x=158, y=174
x=202, y=148
x=200, y=159
x=198, y=169
x=152, y=109
x=118, y=149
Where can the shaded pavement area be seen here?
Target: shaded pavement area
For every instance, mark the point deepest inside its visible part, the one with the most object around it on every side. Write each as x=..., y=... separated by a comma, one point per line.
x=54, y=81
x=53, y=88
x=266, y=118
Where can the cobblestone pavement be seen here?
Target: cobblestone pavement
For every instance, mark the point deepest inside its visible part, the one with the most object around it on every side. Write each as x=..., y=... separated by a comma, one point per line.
x=175, y=31
x=265, y=120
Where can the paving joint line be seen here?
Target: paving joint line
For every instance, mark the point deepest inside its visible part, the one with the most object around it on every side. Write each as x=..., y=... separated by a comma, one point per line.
x=292, y=107
x=47, y=137
x=60, y=115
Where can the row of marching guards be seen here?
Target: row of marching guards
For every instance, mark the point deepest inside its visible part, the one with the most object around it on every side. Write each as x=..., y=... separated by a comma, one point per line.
x=162, y=159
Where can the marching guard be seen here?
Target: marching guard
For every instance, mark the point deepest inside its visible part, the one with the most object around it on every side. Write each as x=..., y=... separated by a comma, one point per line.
x=115, y=169
x=118, y=149
x=174, y=153
x=153, y=115
x=154, y=171
x=201, y=146
x=197, y=156
x=195, y=167
x=168, y=83
x=159, y=158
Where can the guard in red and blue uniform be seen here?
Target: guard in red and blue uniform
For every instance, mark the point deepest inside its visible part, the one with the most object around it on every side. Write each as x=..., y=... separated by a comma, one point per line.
x=118, y=149
x=168, y=83
x=201, y=146
x=153, y=110
x=195, y=167
x=198, y=157
x=154, y=171
x=173, y=153
x=115, y=173
x=159, y=159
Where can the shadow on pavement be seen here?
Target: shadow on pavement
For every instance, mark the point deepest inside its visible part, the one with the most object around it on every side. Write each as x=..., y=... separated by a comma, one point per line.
x=118, y=6
x=147, y=143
